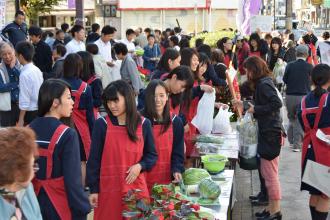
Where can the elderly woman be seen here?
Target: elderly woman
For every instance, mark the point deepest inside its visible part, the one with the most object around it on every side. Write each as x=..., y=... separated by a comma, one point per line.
x=9, y=78
x=266, y=110
x=17, y=154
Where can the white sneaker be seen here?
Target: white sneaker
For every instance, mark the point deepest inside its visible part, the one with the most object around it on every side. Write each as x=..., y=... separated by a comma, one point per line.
x=296, y=150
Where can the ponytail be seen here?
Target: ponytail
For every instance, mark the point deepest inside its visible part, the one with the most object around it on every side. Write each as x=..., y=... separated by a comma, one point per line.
x=320, y=77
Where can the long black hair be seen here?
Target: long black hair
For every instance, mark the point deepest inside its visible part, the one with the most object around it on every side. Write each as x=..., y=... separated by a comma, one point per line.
x=72, y=66
x=169, y=54
x=88, y=69
x=320, y=77
x=133, y=118
x=186, y=56
x=150, y=105
x=50, y=89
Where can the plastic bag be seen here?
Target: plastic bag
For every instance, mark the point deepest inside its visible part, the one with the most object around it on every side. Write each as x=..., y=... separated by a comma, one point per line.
x=203, y=120
x=221, y=122
x=248, y=136
x=278, y=70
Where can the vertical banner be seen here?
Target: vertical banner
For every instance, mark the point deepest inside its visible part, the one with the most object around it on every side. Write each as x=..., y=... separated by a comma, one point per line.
x=246, y=10
x=2, y=13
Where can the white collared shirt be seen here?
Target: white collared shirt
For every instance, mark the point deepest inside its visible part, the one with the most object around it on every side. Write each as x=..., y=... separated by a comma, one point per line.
x=130, y=45
x=30, y=81
x=75, y=46
x=104, y=49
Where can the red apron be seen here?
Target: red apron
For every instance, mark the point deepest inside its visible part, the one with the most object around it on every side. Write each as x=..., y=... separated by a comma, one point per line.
x=321, y=149
x=189, y=137
x=80, y=121
x=161, y=172
x=89, y=82
x=119, y=153
x=54, y=187
x=255, y=53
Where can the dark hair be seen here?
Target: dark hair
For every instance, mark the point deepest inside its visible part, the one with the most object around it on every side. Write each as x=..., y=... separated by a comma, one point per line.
x=88, y=69
x=198, y=42
x=177, y=30
x=206, y=49
x=307, y=39
x=217, y=56
x=326, y=35
x=17, y=145
x=168, y=30
x=133, y=118
x=203, y=58
x=320, y=76
x=95, y=27
x=278, y=41
x=25, y=49
x=175, y=40
x=186, y=56
x=19, y=12
x=72, y=65
x=50, y=89
x=35, y=31
x=92, y=48
x=64, y=27
x=184, y=43
x=221, y=42
x=120, y=48
x=287, y=31
x=59, y=31
x=106, y=30
x=76, y=28
x=157, y=30
x=268, y=36
x=256, y=37
x=291, y=37
x=151, y=35
x=60, y=49
x=257, y=67
x=149, y=110
x=183, y=73
x=169, y=54
x=147, y=30
x=130, y=31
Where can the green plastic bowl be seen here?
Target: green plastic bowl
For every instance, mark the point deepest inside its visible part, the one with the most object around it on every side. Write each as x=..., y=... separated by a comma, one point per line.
x=214, y=163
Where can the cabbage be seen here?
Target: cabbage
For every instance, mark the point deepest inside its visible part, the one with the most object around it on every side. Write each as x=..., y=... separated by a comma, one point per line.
x=193, y=176
x=208, y=189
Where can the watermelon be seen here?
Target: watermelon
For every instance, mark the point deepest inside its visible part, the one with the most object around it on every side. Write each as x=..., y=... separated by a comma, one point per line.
x=208, y=189
x=193, y=176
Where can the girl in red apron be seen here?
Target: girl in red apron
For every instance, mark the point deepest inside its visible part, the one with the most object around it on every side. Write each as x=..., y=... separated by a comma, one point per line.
x=82, y=115
x=122, y=148
x=88, y=76
x=57, y=183
x=168, y=133
x=314, y=115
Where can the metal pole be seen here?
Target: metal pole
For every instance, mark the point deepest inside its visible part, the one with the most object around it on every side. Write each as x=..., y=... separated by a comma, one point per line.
x=17, y=5
x=274, y=15
x=196, y=12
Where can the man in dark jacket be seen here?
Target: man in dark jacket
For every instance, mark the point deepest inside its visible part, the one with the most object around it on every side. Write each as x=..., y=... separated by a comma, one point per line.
x=297, y=79
x=43, y=54
x=17, y=30
x=94, y=35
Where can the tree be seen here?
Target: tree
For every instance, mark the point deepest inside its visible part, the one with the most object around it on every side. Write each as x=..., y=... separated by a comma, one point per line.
x=33, y=8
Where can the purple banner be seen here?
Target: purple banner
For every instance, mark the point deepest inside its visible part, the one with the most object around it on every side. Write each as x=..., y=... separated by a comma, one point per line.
x=247, y=9
x=71, y=4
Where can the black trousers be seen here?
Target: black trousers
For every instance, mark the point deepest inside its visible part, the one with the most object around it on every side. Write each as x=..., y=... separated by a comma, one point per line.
x=263, y=188
x=29, y=116
x=9, y=118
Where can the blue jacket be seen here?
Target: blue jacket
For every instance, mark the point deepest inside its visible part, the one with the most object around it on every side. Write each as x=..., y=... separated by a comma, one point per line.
x=29, y=206
x=151, y=53
x=15, y=33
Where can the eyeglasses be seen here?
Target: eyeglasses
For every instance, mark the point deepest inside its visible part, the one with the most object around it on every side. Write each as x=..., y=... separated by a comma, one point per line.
x=35, y=167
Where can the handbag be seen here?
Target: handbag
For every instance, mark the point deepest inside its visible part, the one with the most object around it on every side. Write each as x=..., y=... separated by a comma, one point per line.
x=318, y=176
x=5, y=103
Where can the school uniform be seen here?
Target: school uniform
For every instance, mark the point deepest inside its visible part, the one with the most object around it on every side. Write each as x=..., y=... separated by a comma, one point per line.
x=170, y=149
x=314, y=114
x=82, y=115
x=112, y=153
x=58, y=182
x=96, y=87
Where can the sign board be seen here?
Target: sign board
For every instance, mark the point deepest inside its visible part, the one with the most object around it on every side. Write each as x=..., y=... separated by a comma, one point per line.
x=264, y=23
x=221, y=4
x=161, y=4
x=316, y=2
x=2, y=13
x=71, y=4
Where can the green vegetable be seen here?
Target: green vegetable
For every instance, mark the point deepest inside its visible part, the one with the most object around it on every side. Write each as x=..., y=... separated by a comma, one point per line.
x=200, y=215
x=139, y=52
x=210, y=139
x=193, y=176
x=208, y=189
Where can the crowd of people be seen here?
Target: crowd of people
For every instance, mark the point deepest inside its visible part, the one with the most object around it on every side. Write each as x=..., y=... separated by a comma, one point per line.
x=98, y=127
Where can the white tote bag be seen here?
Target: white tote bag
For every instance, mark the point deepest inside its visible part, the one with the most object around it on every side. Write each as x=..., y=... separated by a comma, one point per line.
x=5, y=99
x=203, y=120
x=318, y=176
x=221, y=122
